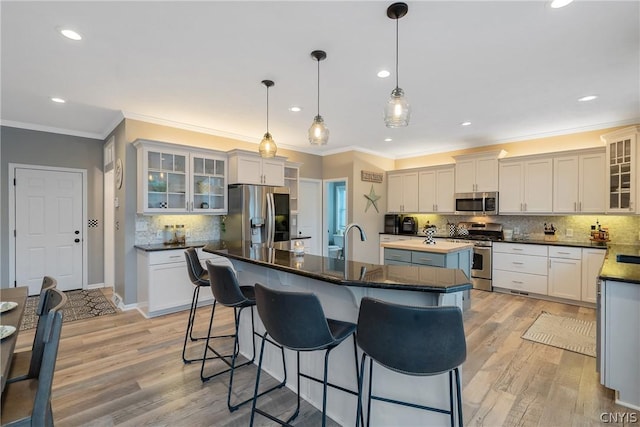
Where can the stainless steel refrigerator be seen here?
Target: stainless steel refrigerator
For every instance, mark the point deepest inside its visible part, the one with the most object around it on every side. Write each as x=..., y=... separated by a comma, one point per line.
x=259, y=214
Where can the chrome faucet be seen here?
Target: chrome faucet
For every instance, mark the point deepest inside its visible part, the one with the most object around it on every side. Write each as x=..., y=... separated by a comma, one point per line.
x=345, y=243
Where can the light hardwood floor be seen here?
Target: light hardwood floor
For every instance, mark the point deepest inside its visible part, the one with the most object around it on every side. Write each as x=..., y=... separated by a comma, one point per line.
x=126, y=370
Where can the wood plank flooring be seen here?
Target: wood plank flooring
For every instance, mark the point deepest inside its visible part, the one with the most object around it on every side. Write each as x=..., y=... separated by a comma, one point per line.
x=125, y=370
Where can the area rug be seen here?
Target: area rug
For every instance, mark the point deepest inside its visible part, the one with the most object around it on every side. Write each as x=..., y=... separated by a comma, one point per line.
x=81, y=304
x=567, y=333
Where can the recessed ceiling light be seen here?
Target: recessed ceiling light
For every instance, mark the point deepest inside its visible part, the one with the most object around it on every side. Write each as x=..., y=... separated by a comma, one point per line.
x=295, y=109
x=70, y=34
x=557, y=4
x=587, y=98
x=465, y=123
x=388, y=140
x=383, y=74
x=58, y=100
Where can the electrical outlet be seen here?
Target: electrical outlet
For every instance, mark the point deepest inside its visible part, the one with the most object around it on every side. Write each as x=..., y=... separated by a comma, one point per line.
x=516, y=230
x=187, y=234
x=569, y=232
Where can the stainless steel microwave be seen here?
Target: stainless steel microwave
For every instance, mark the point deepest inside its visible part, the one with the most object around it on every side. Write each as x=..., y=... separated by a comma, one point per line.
x=477, y=203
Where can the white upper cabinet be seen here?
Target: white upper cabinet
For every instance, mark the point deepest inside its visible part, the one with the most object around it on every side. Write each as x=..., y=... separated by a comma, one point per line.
x=402, y=191
x=526, y=186
x=436, y=187
x=175, y=178
x=579, y=182
x=247, y=167
x=477, y=172
x=622, y=174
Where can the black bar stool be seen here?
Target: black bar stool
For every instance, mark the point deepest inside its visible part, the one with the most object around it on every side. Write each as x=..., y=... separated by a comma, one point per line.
x=227, y=291
x=200, y=278
x=296, y=321
x=417, y=341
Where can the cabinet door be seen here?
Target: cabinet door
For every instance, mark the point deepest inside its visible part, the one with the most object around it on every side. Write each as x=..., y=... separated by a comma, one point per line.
x=165, y=175
x=427, y=191
x=208, y=184
x=394, y=193
x=465, y=176
x=169, y=286
x=511, y=191
x=538, y=186
x=564, y=278
x=273, y=172
x=249, y=170
x=592, y=183
x=410, y=192
x=565, y=184
x=621, y=167
x=592, y=260
x=444, y=191
x=486, y=174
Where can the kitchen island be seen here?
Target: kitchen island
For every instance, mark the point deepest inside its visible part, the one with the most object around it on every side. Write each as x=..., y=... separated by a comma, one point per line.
x=340, y=285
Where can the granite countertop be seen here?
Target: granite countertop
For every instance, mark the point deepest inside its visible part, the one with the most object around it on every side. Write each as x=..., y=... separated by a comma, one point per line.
x=349, y=273
x=612, y=269
x=440, y=247
x=153, y=247
x=572, y=243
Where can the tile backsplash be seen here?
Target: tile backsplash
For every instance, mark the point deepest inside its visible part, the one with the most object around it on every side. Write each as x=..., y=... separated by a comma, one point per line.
x=623, y=229
x=198, y=227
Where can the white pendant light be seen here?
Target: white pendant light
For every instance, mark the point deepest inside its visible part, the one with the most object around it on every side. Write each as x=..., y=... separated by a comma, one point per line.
x=398, y=111
x=267, y=146
x=318, y=132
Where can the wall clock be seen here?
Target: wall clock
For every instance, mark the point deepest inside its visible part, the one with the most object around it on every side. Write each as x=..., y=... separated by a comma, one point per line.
x=119, y=173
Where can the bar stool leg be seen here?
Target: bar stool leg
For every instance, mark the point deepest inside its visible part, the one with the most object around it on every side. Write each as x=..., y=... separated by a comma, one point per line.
x=459, y=396
x=370, y=385
x=189, y=332
x=255, y=392
x=451, y=414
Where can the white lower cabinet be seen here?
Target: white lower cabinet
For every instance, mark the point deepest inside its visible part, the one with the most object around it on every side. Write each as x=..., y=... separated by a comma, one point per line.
x=163, y=282
x=520, y=267
x=565, y=269
x=592, y=260
x=566, y=272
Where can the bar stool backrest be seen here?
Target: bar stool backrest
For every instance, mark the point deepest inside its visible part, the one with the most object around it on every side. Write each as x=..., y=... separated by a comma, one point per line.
x=293, y=319
x=224, y=285
x=194, y=268
x=412, y=340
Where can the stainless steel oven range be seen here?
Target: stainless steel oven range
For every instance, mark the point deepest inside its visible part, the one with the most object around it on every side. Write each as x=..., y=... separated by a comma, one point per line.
x=482, y=235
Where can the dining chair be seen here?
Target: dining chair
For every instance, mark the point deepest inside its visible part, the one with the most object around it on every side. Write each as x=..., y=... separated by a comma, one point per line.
x=25, y=364
x=28, y=402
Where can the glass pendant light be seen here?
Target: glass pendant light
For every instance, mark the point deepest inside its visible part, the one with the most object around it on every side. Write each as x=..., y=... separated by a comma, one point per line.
x=267, y=146
x=318, y=132
x=398, y=111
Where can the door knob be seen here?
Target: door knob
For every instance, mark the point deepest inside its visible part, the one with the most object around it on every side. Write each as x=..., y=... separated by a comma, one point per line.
x=77, y=240
x=77, y=232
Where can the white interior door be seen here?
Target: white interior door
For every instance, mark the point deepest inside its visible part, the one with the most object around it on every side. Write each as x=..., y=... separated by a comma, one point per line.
x=310, y=213
x=48, y=224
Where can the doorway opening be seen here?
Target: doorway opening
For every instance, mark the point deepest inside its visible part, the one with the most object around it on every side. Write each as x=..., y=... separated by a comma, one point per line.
x=336, y=215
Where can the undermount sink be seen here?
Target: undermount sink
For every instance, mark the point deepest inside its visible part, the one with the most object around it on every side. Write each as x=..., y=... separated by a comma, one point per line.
x=630, y=259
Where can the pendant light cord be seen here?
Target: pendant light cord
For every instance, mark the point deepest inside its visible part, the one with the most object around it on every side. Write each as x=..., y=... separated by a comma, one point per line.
x=397, y=24
x=267, y=109
x=318, y=61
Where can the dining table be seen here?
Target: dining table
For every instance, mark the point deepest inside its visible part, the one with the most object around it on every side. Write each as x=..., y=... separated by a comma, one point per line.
x=10, y=316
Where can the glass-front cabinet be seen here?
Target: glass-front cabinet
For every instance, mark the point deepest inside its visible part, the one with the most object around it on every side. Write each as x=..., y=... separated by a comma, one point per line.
x=179, y=179
x=622, y=164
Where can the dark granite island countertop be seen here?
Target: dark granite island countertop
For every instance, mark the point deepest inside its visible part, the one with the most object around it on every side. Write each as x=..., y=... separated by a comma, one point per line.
x=356, y=274
x=612, y=269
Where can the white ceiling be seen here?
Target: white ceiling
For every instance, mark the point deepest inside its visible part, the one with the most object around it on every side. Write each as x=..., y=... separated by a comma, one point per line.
x=515, y=69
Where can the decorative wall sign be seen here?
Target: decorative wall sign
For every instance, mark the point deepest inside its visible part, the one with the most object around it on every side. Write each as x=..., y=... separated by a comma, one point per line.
x=119, y=173
x=372, y=199
x=370, y=176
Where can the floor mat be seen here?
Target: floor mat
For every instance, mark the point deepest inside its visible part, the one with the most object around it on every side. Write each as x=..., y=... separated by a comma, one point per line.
x=564, y=332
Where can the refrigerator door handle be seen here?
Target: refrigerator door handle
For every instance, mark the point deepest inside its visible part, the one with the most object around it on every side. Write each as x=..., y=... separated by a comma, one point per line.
x=270, y=220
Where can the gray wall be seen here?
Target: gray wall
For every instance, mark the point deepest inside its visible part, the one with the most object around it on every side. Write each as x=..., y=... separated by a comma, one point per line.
x=51, y=149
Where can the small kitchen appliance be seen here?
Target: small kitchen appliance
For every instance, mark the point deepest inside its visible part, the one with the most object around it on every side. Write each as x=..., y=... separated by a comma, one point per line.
x=409, y=225
x=392, y=223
